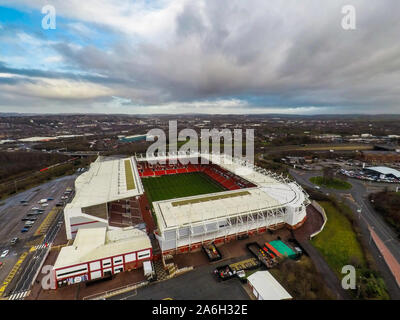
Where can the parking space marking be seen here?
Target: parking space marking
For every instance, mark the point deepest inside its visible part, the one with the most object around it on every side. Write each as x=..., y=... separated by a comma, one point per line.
x=12, y=273
x=43, y=228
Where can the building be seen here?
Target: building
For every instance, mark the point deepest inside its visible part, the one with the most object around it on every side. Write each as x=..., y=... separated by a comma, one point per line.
x=265, y=287
x=138, y=137
x=383, y=172
x=110, y=194
x=107, y=195
x=98, y=253
x=263, y=200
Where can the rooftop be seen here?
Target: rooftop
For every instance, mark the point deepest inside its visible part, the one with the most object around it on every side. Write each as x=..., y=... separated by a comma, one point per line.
x=270, y=192
x=107, y=180
x=386, y=171
x=267, y=286
x=98, y=243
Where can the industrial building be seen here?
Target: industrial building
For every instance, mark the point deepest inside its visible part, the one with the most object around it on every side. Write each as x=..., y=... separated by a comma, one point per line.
x=134, y=138
x=98, y=253
x=383, y=172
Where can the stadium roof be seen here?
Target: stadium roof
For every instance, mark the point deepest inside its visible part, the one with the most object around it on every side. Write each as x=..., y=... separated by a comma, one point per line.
x=272, y=192
x=98, y=243
x=386, y=171
x=267, y=286
x=105, y=181
x=191, y=210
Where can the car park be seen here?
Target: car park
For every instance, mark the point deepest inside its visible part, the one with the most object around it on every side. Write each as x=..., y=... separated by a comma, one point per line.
x=4, y=254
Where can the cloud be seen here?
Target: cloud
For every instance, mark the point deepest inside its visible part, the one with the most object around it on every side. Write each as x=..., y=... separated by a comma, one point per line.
x=182, y=55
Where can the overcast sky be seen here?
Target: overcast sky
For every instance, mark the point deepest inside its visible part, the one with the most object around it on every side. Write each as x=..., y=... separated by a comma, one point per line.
x=202, y=56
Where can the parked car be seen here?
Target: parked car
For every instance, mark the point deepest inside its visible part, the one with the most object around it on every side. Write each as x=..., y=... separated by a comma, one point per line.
x=4, y=254
x=35, y=208
x=24, y=230
x=50, y=199
x=45, y=204
x=1, y=264
x=14, y=240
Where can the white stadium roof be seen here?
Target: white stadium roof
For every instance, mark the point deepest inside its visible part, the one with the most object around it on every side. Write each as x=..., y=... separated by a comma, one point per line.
x=386, y=171
x=105, y=181
x=271, y=192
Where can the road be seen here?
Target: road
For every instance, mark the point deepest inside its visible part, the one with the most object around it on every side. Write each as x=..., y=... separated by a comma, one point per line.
x=367, y=217
x=11, y=214
x=203, y=286
x=30, y=270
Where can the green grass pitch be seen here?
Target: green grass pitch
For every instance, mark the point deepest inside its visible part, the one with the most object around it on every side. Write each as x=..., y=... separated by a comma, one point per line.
x=179, y=185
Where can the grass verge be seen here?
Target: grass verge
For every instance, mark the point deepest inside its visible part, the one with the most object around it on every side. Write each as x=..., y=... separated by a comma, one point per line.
x=340, y=244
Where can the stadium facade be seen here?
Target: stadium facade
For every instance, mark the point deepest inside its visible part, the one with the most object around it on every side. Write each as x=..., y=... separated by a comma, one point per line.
x=254, y=200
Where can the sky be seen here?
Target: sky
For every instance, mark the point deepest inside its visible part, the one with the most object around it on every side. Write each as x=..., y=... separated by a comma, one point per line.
x=200, y=56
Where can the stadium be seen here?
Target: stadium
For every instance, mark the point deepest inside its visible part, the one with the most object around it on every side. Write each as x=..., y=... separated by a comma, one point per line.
x=184, y=200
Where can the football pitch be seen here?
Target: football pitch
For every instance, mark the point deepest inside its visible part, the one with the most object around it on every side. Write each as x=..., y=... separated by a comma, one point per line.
x=179, y=185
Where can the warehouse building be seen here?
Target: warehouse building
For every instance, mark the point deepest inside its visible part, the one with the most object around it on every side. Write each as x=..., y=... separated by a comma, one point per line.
x=383, y=172
x=98, y=253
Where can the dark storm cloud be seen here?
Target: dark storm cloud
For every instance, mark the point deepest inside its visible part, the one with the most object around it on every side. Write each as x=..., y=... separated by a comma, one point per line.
x=279, y=53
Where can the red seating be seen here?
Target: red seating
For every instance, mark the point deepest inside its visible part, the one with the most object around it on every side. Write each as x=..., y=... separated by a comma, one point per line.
x=218, y=174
